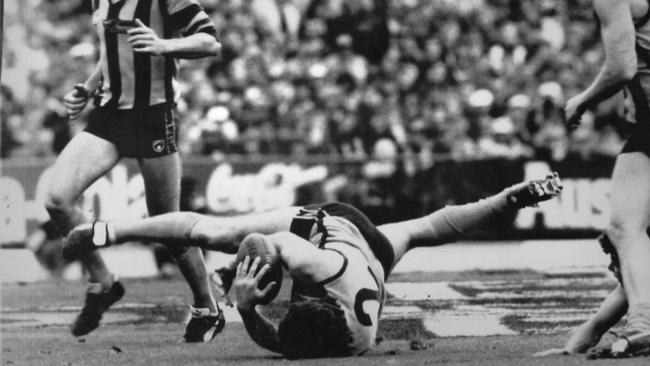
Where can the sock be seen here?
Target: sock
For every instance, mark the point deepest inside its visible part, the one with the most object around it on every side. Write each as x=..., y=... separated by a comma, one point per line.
x=451, y=222
x=98, y=287
x=639, y=317
x=202, y=312
x=100, y=234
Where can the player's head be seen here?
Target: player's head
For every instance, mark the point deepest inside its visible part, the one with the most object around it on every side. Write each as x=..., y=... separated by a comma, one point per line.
x=314, y=328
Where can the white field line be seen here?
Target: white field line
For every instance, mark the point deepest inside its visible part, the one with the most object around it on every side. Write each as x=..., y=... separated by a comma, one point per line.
x=539, y=283
x=36, y=319
x=423, y=291
x=541, y=294
x=455, y=325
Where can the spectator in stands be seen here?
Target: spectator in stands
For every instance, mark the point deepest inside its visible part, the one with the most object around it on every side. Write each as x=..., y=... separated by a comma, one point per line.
x=525, y=55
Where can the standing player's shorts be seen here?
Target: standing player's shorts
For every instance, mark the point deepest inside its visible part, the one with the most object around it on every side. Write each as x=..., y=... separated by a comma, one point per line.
x=147, y=132
x=378, y=243
x=637, y=105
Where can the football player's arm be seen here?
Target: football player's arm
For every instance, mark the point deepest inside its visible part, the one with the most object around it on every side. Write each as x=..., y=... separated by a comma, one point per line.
x=197, y=34
x=195, y=46
x=303, y=260
x=588, y=334
x=261, y=329
x=620, y=65
x=92, y=82
x=202, y=43
x=75, y=101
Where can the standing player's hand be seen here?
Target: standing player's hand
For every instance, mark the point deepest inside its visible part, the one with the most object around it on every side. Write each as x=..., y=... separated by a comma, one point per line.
x=573, y=112
x=245, y=283
x=145, y=40
x=76, y=100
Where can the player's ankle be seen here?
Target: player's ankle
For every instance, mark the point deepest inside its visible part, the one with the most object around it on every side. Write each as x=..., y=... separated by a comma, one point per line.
x=101, y=234
x=103, y=285
x=201, y=311
x=206, y=303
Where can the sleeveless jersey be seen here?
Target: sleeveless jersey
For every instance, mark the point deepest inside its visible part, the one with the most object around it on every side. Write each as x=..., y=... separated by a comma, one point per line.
x=358, y=287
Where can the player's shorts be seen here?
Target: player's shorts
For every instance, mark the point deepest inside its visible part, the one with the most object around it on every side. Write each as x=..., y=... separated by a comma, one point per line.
x=378, y=243
x=637, y=105
x=137, y=133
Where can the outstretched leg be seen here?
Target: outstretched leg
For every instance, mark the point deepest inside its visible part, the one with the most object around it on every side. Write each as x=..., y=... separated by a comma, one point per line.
x=452, y=222
x=180, y=229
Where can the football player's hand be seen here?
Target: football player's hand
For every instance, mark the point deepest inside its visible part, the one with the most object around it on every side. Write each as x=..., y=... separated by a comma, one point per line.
x=75, y=101
x=573, y=111
x=552, y=352
x=145, y=40
x=245, y=283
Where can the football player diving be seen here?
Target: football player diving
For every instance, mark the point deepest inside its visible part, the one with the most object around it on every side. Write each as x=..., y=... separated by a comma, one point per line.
x=338, y=260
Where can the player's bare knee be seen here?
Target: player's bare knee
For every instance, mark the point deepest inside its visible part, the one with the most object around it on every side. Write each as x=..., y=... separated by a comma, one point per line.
x=56, y=203
x=621, y=231
x=190, y=224
x=214, y=234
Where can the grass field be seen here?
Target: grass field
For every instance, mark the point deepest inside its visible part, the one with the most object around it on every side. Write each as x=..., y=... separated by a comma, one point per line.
x=471, y=318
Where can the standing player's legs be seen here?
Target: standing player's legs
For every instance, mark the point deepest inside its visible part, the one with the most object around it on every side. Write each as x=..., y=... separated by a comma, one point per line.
x=630, y=217
x=84, y=160
x=162, y=179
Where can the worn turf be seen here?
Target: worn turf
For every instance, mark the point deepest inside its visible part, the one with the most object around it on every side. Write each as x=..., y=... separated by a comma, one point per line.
x=143, y=329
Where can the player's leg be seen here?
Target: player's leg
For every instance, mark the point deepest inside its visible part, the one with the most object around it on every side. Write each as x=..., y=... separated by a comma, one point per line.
x=162, y=176
x=181, y=229
x=630, y=217
x=84, y=160
x=449, y=224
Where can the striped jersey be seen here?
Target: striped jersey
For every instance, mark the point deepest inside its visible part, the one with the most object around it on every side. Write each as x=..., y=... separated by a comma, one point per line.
x=637, y=102
x=642, y=28
x=130, y=79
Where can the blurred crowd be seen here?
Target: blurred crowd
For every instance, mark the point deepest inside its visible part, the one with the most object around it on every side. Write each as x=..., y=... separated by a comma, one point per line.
x=424, y=79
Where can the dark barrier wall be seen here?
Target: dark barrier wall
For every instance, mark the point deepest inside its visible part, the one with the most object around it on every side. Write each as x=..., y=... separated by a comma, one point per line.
x=384, y=191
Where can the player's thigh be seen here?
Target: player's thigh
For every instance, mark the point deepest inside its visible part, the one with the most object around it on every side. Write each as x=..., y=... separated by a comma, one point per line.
x=399, y=236
x=629, y=194
x=225, y=233
x=162, y=182
x=84, y=160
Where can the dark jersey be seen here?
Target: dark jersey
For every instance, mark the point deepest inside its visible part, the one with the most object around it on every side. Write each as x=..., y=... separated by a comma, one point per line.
x=132, y=79
x=637, y=91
